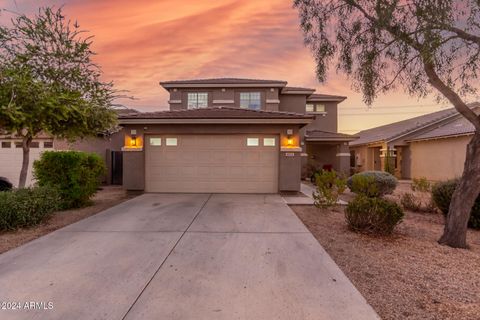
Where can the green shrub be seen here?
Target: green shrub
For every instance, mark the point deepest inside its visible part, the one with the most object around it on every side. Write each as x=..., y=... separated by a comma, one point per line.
x=27, y=207
x=76, y=174
x=442, y=193
x=421, y=184
x=373, y=215
x=329, y=187
x=372, y=183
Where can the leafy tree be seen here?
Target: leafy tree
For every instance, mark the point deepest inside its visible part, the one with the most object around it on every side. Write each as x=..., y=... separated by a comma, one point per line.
x=419, y=45
x=48, y=82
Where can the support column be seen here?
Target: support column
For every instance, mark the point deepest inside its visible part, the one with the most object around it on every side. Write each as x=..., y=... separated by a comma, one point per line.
x=343, y=158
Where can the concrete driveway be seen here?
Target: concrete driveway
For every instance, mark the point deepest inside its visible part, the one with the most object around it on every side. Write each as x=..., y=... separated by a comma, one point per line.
x=180, y=256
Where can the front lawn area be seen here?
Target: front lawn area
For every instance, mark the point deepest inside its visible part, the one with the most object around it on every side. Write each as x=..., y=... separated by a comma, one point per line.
x=407, y=275
x=107, y=197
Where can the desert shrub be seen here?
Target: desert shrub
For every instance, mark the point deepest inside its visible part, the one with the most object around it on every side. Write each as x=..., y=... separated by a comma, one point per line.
x=442, y=193
x=329, y=187
x=76, y=174
x=421, y=184
x=372, y=183
x=373, y=215
x=430, y=206
x=410, y=202
x=27, y=207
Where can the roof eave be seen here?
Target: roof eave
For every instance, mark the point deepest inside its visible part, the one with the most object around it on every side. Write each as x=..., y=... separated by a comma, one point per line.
x=442, y=137
x=124, y=121
x=329, y=99
x=170, y=85
x=330, y=139
x=300, y=92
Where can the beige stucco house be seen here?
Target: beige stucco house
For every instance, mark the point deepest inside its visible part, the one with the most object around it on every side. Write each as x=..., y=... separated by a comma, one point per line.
x=218, y=135
x=431, y=146
x=232, y=135
x=440, y=153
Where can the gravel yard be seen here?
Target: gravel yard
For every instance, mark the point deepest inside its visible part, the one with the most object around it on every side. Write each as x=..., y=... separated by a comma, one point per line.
x=107, y=197
x=408, y=275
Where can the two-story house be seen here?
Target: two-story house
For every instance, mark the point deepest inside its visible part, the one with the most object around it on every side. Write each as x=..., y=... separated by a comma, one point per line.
x=232, y=136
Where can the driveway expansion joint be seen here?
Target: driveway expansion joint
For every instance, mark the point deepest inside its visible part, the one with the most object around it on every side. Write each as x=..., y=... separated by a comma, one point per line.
x=165, y=259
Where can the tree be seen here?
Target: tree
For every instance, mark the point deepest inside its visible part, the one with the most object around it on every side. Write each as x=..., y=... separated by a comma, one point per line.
x=419, y=45
x=48, y=82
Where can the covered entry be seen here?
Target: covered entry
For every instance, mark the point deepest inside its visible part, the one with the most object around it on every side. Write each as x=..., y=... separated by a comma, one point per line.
x=222, y=163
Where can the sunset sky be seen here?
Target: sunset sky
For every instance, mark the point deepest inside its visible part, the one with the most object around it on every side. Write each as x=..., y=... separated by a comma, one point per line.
x=142, y=42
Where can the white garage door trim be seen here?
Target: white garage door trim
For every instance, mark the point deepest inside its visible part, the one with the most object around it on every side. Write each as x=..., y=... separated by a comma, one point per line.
x=213, y=163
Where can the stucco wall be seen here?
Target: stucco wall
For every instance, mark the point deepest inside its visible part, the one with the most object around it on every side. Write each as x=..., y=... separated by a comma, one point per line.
x=101, y=146
x=289, y=166
x=439, y=159
x=219, y=96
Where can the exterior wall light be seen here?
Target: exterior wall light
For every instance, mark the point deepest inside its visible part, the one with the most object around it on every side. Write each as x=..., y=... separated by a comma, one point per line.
x=289, y=141
x=133, y=141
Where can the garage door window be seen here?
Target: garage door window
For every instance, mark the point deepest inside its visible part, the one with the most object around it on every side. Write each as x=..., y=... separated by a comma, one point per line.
x=252, y=142
x=269, y=142
x=6, y=144
x=171, y=142
x=155, y=142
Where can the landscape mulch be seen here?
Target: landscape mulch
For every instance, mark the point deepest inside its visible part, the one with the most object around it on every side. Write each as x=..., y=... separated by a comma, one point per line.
x=407, y=275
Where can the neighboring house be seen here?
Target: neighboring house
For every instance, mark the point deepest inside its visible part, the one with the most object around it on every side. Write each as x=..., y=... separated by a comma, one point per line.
x=440, y=154
x=431, y=146
x=11, y=156
x=232, y=135
x=107, y=146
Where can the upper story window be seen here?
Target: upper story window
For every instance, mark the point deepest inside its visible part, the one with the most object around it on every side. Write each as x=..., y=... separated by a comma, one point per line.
x=315, y=107
x=250, y=100
x=197, y=100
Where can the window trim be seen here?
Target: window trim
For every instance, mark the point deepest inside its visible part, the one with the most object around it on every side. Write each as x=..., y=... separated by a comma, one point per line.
x=156, y=139
x=315, y=108
x=270, y=139
x=169, y=140
x=197, y=93
x=249, y=104
x=256, y=142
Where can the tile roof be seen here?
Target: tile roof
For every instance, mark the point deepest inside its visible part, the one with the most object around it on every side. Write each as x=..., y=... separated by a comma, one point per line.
x=224, y=81
x=319, y=135
x=325, y=97
x=125, y=111
x=394, y=130
x=457, y=127
x=217, y=113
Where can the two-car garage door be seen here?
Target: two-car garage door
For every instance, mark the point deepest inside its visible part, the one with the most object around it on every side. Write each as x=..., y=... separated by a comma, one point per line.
x=212, y=163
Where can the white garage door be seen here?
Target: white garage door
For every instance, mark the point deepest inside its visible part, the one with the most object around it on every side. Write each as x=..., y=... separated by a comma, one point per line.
x=11, y=156
x=211, y=163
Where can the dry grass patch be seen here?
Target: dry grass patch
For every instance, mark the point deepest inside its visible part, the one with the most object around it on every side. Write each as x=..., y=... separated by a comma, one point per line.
x=408, y=275
x=104, y=199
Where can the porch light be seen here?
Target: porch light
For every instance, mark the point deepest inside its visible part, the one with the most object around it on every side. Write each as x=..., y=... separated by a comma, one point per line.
x=133, y=141
x=289, y=141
